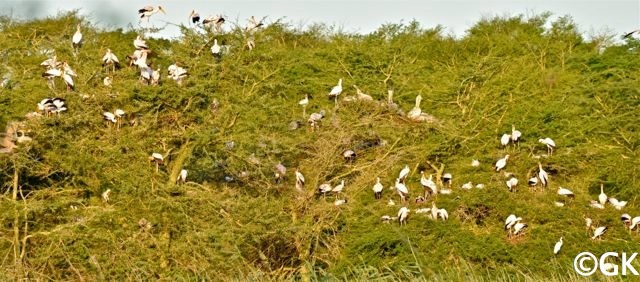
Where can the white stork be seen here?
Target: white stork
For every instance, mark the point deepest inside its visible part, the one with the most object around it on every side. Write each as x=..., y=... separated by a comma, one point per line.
x=377, y=189
x=565, y=192
x=403, y=215
x=148, y=11
x=253, y=24
x=335, y=92
x=556, y=248
x=512, y=183
x=549, y=143
x=182, y=177
x=107, y=81
x=618, y=205
x=602, y=198
x=543, y=176
x=501, y=163
x=76, y=40
x=140, y=43
x=404, y=173
x=299, y=181
x=598, y=232
x=194, y=17
x=515, y=135
x=304, y=102
x=428, y=184
x=504, y=140
x=110, y=59
x=402, y=190
x=156, y=158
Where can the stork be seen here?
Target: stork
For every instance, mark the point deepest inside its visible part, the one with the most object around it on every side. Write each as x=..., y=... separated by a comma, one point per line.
x=140, y=43
x=515, y=135
x=543, y=176
x=335, y=92
x=404, y=173
x=304, y=102
x=182, y=177
x=215, y=49
x=549, y=143
x=299, y=180
x=403, y=215
x=76, y=40
x=402, y=190
x=156, y=158
x=501, y=163
x=377, y=189
x=148, y=11
x=194, y=17
x=110, y=59
x=602, y=198
x=556, y=248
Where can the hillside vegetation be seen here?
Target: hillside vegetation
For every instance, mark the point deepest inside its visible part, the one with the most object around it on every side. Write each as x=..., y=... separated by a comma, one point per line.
x=229, y=123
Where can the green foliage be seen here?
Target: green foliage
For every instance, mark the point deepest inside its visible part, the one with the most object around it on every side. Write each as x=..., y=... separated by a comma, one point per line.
x=233, y=220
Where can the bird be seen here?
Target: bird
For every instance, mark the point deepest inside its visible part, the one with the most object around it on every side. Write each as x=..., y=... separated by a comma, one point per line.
x=251, y=43
x=253, y=24
x=475, y=163
x=148, y=11
x=596, y=205
x=626, y=219
x=618, y=205
x=119, y=114
x=602, y=198
x=443, y=214
x=510, y=221
x=543, y=176
x=533, y=181
x=468, y=185
x=314, y=119
x=339, y=202
x=557, y=247
x=550, y=144
x=512, y=183
x=402, y=190
x=361, y=95
x=377, y=189
x=105, y=195
x=338, y=188
x=182, y=177
x=446, y=179
x=588, y=221
x=194, y=17
x=404, y=173
x=215, y=49
x=214, y=22
x=280, y=172
x=324, y=188
x=349, y=156
x=501, y=163
x=155, y=76
x=505, y=139
x=634, y=222
x=627, y=35
x=156, y=158
x=107, y=81
x=109, y=117
x=515, y=135
x=428, y=184
x=299, y=181
x=110, y=59
x=336, y=91
x=304, y=102
x=565, y=192
x=598, y=232
x=76, y=40
x=140, y=44
x=518, y=227
x=403, y=215
x=479, y=186
x=416, y=113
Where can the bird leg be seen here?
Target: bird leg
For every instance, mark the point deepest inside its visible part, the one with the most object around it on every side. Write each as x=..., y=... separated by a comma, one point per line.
x=304, y=112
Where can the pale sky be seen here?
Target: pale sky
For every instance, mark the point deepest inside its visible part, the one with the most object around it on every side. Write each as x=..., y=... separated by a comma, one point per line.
x=359, y=16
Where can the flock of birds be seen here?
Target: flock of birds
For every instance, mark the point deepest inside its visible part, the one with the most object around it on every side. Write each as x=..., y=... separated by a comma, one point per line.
x=513, y=225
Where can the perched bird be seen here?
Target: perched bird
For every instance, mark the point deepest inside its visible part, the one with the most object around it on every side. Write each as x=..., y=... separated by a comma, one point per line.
x=512, y=183
x=105, y=195
x=618, y=205
x=361, y=95
x=251, y=43
x=402, y=190
x=148, y=11
x=404, y=173
x=335, y=92
x=156, y=158
x=280, y=172
x=543, y=176
x=416, y=113
x=565, y=192
x=214, y=22
x=299, y=181
x=403, y=215
x=504, y=140
x=429, y=186
x=110, y=59
x=602, y=198
x=598, y=232
x=377, y=189
x=443, y=214
x=182, y=177
x=515, y=135
x=634, y=223
x=501, y=163
x=550, y=144
x=109, y=117
x=479, y=186
x=253, y=24
x=215, y=49
x=76, y=40
x=626, y=219
x=510, y=221
x=557, y=247
x=140, y=43
x=194, y=17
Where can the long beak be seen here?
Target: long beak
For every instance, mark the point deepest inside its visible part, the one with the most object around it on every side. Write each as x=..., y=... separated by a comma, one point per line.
x=163, y=11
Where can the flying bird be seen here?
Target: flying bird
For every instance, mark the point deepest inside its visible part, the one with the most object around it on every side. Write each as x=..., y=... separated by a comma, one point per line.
x=627, y=35
x=148, y=11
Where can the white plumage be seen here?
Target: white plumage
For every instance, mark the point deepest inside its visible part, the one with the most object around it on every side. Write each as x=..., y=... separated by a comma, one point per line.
x=549, y=143
x=76, y=40
x=377, y=188
x=618, y=205
x=557, y=247
x=403, y=215
x=602, y=198
x=565, y=192
x=598, y=232
x=402, y=190
x=543, y=176
x=504, y=140
x=501, y=163
x=404, y=173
